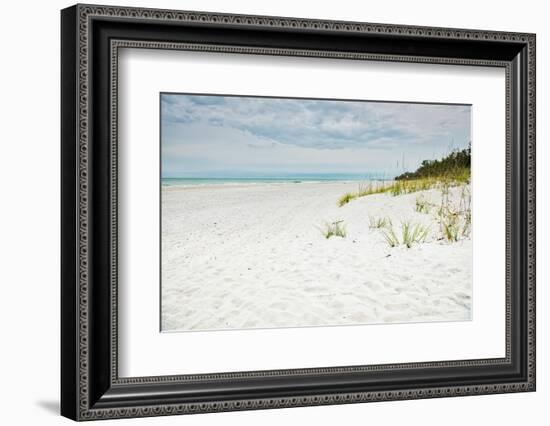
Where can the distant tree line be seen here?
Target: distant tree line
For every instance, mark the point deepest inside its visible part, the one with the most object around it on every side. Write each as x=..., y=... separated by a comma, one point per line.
x=456, y=163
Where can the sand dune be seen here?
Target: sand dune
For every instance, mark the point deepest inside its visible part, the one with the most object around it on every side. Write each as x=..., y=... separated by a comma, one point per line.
x=252, y=256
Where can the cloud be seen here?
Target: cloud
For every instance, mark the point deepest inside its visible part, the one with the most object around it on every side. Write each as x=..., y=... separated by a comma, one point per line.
x=276, y=133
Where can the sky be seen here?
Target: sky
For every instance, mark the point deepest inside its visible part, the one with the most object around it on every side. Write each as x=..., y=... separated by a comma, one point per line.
x=236, y=136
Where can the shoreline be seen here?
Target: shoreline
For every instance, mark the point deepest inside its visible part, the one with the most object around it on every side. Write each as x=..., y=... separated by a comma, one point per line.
x=253, y=184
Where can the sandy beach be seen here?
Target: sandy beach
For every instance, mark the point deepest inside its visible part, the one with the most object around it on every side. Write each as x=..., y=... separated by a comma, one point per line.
x=253, y=256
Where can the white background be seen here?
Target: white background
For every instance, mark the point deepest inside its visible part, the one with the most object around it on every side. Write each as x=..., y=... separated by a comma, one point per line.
x=29, y=224
x=146, y=352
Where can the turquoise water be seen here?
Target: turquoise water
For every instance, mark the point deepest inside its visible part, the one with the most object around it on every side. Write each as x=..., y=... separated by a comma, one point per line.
x=191, y=181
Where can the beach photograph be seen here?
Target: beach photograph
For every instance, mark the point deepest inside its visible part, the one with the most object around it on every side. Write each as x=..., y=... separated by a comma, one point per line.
x=293, y=212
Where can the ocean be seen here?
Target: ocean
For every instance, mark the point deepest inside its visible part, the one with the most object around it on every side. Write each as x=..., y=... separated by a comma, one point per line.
x=310, y=178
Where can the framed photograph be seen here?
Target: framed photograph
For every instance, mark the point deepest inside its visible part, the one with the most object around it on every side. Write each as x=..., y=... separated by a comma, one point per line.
x=263, y=212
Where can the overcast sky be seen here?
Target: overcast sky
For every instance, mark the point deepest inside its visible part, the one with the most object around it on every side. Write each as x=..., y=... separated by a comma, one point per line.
x=219, y=136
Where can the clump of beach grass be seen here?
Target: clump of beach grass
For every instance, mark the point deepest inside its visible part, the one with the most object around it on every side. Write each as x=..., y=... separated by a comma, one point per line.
x=390, y=237
x=450, y=226
x=363, y=190
x=466, y=208
x=422, y=205
x=346, y=198
x=371, y=188
x=334, y=229
x=467, y=227
x=455, y=221
x=379, y=222
x=400, y=187
x=410, y=234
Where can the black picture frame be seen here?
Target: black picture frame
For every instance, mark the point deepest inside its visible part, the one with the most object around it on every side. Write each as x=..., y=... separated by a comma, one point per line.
x=90, y=386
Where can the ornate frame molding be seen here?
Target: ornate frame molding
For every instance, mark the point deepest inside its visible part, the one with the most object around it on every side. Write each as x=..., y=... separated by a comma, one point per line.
x=80, y=19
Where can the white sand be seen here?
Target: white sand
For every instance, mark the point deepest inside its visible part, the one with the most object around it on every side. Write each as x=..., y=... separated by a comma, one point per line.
x=252, y=256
